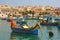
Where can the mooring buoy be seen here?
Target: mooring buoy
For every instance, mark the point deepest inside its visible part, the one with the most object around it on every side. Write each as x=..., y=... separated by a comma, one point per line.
x=51, y=34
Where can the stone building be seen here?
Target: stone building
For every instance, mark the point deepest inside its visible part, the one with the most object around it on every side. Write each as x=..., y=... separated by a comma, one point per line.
x=23, y=11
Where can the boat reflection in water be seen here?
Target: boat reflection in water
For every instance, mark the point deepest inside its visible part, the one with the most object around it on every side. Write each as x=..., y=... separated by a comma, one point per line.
x=19, y=36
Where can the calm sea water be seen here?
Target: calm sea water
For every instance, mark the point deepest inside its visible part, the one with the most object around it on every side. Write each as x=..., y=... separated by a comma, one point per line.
x=7, y=34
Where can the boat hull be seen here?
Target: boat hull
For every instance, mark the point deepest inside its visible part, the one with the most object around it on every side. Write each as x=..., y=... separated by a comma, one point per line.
x=58, y=27
x=19, y=36
x=25, y=31
x=50, y=24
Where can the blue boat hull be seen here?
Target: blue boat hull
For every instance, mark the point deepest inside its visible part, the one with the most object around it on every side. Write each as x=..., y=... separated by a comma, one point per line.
x=49, y=24
x=58, y=27
x=21, y=36
x=25, y=31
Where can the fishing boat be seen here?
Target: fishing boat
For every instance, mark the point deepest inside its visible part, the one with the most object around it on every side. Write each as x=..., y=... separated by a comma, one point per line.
x=50, y=21
x=24, y=27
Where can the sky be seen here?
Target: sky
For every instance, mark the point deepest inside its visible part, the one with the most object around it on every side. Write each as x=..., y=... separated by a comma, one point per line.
x=55, y=3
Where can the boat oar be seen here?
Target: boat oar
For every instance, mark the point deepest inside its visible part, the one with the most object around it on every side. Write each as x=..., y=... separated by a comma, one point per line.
x=36, y=27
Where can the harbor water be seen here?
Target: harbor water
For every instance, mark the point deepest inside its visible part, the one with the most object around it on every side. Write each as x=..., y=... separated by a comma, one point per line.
x=43, y=33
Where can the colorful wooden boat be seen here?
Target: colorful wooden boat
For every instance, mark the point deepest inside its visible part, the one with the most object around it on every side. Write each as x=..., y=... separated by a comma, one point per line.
x=22, y=27
x=50, y=21
x=57, y=24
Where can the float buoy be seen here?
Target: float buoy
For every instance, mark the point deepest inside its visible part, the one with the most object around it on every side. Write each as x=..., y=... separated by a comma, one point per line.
x=51, y=34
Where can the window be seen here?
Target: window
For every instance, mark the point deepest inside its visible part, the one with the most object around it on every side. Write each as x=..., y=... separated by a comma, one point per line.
x=7, y=10
x=48, y=9
x=2, y=15
x=15, y=12
x=10, y=15
x=0, y=12
x=14, y=15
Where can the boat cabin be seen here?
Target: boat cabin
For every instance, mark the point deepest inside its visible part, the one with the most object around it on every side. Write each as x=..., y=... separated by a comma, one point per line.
x=50, y=18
